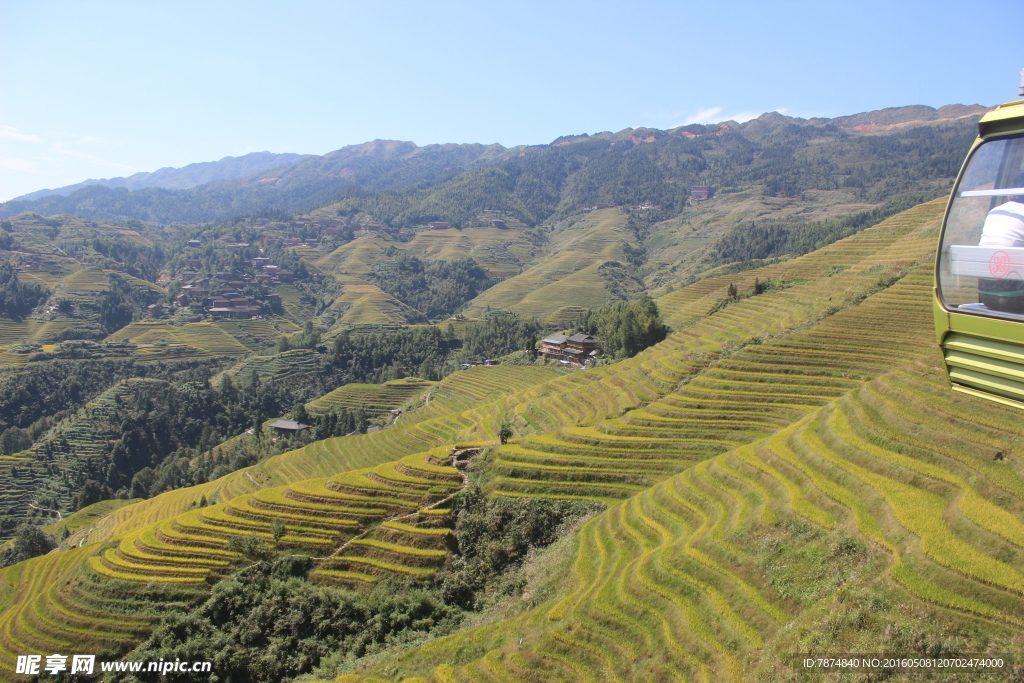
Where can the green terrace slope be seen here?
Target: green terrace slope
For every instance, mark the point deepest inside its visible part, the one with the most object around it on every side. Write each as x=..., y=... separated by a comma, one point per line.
x=688, y=303
x=846, y=427
x=375, y=399
x=899, y=463
x=75, y=446
x=81, y=287
x=817, y=409
x=569, y=275
x=415, y=433
x=467, y=405
x=155, y=340
x=501, y=252
x=336, y=519
x=278, y=366
x=746, y=396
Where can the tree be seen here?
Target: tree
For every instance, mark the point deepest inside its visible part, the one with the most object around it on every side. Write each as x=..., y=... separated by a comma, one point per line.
x=248, y=546
x=32, y=541
x=7, y=241
x=29, y=541
x=142, y=482
x=299, y=413
x=505, y=433
x=624, y=328
x=92, y=492
x=17, y=299
x=115, y=312
x=14, y=439
x=277, y=530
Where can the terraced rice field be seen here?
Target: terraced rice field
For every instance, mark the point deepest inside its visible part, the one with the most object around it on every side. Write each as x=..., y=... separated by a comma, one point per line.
x=540, y=290
x=92, y=279
x=375, y=399
x=79, y=522
x=848, y=424
x=196, y=340
x=359, y=525
x=501, y=252
x=459, y=327
x=252, y=334
x=686, y=304
x=74, y=447
x=138, y=282
x=28, y=331
x=278, y=366
x=49, y=331
x=56, y=602
x=442, y=420
x=363, y=302
x=665, y=565
x=294, y=308
x=821, y=406
x=743, y=398
x=22, y=474
x=17, y=331
x=355, y=257
x=334, y=519
x=40, y=277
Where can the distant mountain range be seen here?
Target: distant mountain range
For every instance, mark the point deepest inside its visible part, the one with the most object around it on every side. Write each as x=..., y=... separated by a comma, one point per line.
x=640, y=166
x=182, y=178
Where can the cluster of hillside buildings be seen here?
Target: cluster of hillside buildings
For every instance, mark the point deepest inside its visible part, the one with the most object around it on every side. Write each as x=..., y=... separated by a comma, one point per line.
x=222, y=295
x=228, y=294
x=576, y=350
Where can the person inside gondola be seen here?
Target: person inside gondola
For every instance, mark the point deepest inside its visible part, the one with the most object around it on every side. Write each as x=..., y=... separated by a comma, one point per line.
x=1004, y=227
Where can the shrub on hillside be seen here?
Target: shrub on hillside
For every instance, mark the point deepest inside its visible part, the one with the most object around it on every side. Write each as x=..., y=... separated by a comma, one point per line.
x=17, y=299
x=30, y=541
x=625, y=328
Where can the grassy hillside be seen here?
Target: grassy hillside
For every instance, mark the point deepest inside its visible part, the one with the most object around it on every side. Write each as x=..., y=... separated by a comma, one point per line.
x=195, y=340
x=502, y=253
x=568, y=275
x=375, y=399
x=787, y=472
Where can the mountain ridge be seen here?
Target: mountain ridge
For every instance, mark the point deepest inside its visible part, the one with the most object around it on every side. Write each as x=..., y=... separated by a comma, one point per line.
x=392, y=165
x=184, y=177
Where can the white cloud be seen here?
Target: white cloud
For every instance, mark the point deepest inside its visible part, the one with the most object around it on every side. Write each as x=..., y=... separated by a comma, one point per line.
x=717, y=115
x=705, y=116
x=15, y=134
x=742, y=117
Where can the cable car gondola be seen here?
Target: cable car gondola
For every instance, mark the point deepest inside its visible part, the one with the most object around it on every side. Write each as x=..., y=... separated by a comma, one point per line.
x=979, y=275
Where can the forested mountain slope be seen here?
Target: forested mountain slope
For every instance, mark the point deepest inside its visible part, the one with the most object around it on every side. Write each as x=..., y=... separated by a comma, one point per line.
x=381, y=164
x=400, y=184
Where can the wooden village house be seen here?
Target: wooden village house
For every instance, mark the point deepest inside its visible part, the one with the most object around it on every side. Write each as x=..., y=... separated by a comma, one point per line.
x=576, y=349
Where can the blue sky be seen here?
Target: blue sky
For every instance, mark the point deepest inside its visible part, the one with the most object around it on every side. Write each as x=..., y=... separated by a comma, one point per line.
x=92, y=89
